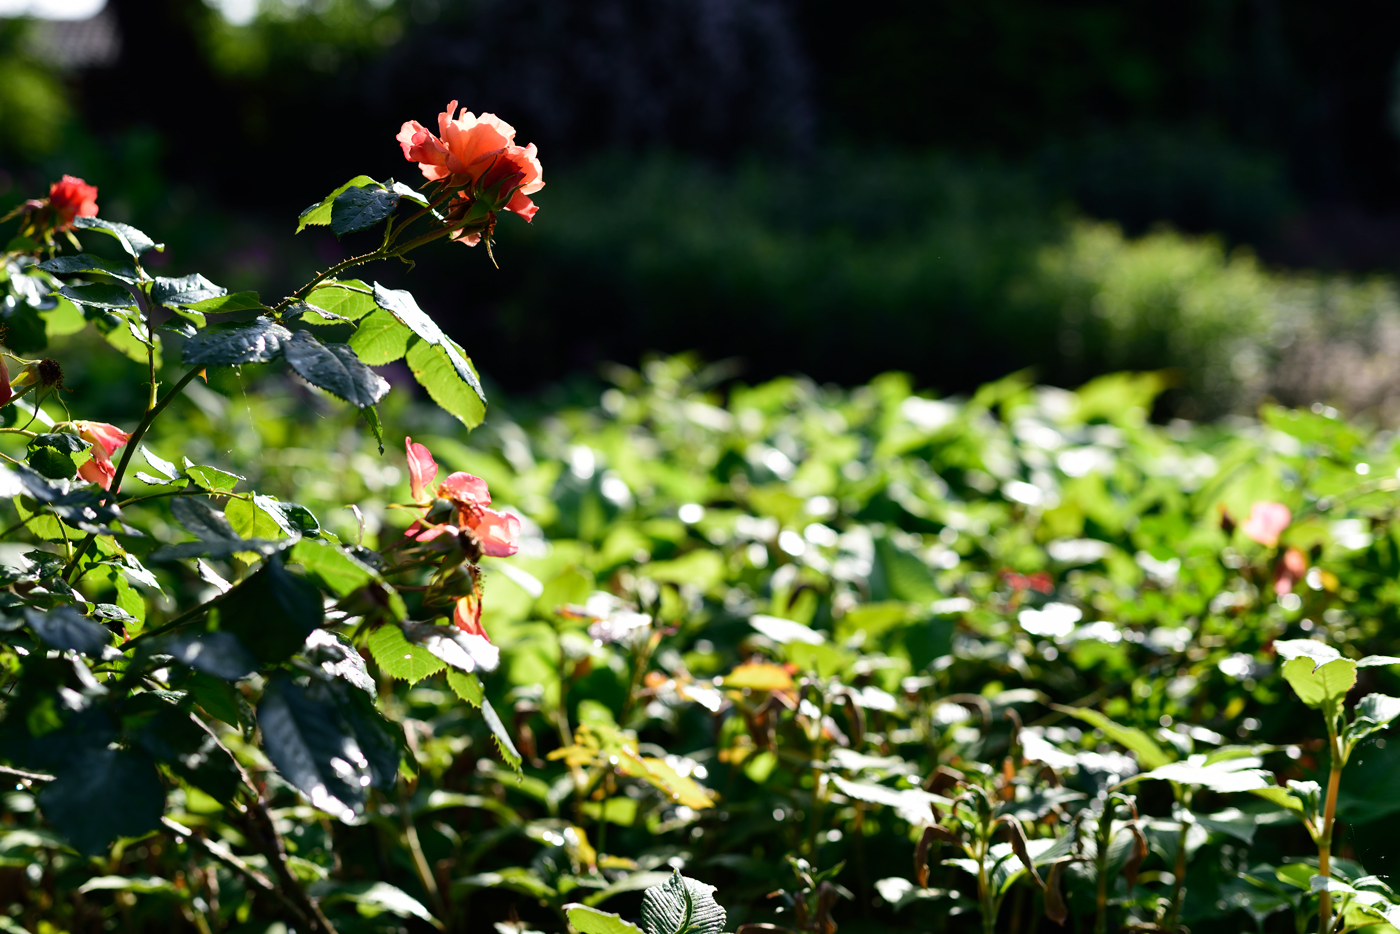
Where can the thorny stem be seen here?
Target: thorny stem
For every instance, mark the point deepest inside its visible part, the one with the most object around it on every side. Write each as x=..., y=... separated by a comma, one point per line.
x=1324, y=841
x=320, y=277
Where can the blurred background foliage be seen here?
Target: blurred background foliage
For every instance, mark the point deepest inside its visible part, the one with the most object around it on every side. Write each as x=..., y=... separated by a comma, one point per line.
x=954, y=190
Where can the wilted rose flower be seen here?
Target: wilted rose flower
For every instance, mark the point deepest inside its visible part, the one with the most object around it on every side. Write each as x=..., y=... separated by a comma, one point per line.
x=498, y=533
x=71, y=197
x=1266, y=522
x=1290, y=569
x=105, y=439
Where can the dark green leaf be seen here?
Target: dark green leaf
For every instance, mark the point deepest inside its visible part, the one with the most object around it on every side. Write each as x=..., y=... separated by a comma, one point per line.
x=238, y=301
x=86, y=263
x=104, y=794
x=360, y=208
x=98, y=295
x=259, y=342
x=133, y=241
x=169, y=734
x=338, y=658
x=319, y=214
x=65, y=628
x=216, y=653
x=201, y=519
x=334, y=368
x=307, y=740
x=218, y=698
x=186, y=290
x=272, y=612
x=52, y=454
x=379, y=739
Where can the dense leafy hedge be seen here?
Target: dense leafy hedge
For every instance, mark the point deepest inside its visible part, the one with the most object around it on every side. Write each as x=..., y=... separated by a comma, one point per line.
x=863, y=605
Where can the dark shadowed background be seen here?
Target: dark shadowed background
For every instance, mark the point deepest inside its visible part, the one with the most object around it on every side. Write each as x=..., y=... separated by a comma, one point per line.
x=956, y=190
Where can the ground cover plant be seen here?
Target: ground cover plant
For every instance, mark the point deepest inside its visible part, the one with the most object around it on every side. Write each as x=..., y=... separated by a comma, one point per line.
x=677, y=651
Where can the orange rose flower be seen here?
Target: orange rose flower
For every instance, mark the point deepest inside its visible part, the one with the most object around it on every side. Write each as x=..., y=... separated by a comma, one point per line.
x=105, y=440
x=72, y=197
x=478, y=154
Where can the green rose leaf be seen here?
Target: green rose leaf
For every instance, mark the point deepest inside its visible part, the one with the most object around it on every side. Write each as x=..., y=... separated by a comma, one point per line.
x=1148, y=752
x=586, y=920
x=102, y=794
x=334, y=368
x=259, y=342
x=381, y=338
x=65, y=628
x=212, y=478
x=338, y=571
x=99, y=295
x=86, y=263
x=440, y=366
x=312, y=747
x=681, y=906
x=400, y=658
x=1320, y=685
x=501, y=735
x=347, y=298
x=319, y=214
x=467, y=686
x=238, y=301
x=159, y=464
x=272, y=612
x=215, y=653
x=186, y=290
x=53, y=454
x=134, y=242
x=361, y=208
x=411, y=194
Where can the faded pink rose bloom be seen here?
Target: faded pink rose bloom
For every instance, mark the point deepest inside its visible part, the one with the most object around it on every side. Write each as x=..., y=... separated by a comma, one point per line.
x=1291, y=567
x=1266, y=522
x=467, y=616
x=498, y=532
x=105, y=439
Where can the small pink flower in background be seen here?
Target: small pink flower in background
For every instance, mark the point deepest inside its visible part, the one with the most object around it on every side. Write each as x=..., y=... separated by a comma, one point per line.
x=467, y=616
x=1266, y=522
x=105, y=439
x=498, y=533
x=1290, y=569
x=6, y=392
x=72, y=197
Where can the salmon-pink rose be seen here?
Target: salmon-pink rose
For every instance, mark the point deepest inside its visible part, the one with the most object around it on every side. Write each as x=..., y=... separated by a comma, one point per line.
x=467, y=493
x=512, y=178
x=105, y=439
x=1266, y=522
x=1290, y=569
x=467, y=616
x=72, y=197
x=464, y=149
x=498, y=532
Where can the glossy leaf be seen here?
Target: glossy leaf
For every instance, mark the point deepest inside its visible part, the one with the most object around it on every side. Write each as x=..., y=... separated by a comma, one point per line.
x=307, y=740
x=212, y=479
x=56, y=455
x=259, y=342
x=223, y=304
x=186, y=290
x=133, y=241
x=336, y=369
x=381, y=338
x=87, y=263
x=220, y=654
x=319, y=214
x=65, y=628
x=433, y=371
x=348, y=298
x=272, y=612
x=361, y=208
x=98, y=295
